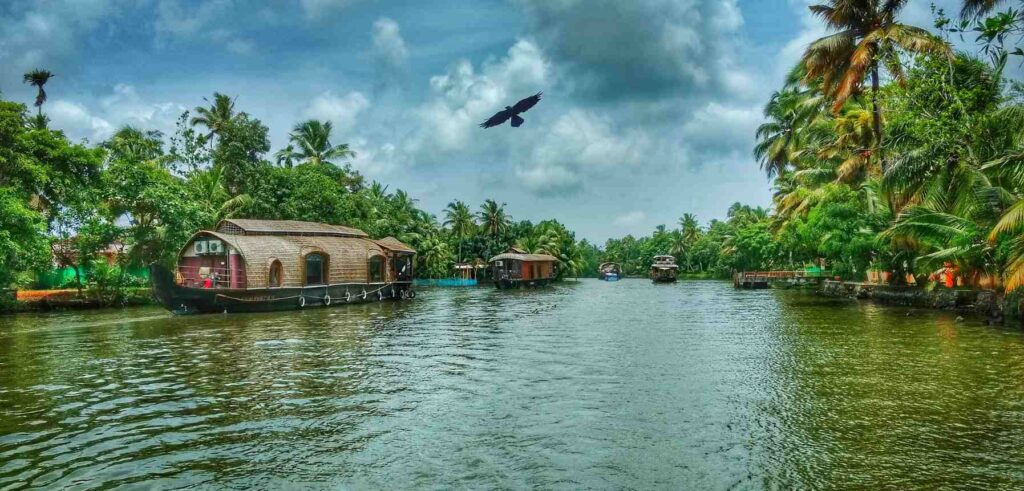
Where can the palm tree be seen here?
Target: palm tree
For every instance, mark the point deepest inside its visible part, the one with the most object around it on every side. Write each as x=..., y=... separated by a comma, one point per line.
x=493, y=218
x=779, y=139
x=38, y=78
x=689, y=227
x=312, y=138
x=458, y=217
x=216, y=117
x=286, y=156
x=867, y=36
x=975, y=8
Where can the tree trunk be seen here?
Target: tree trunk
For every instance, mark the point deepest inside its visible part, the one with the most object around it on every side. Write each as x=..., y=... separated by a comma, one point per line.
x=78, y=279
x=876, y=113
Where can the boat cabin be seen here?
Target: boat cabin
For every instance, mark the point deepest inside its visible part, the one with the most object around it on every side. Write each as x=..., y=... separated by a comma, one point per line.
x=251, y=254
x=516, y=268
x=664, y=269
x=609, y=271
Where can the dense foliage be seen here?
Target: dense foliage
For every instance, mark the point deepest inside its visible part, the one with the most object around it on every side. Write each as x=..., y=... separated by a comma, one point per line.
x=63, y=203
x=943, y=187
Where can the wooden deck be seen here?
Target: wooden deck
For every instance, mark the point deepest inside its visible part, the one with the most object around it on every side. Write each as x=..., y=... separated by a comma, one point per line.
x=764, y=279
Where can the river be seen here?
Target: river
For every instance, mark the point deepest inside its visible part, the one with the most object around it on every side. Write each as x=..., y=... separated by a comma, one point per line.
x=581, y=385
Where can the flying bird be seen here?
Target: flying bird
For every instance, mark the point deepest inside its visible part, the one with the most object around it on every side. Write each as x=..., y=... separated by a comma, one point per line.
x=512, y=112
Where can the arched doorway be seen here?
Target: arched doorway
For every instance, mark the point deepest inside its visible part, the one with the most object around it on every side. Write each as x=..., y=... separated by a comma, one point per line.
x=275, y=275
x=316, y=269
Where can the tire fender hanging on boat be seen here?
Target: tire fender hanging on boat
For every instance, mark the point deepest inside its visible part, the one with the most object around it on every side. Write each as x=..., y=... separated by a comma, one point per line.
x=327, y=299
x=302, y=301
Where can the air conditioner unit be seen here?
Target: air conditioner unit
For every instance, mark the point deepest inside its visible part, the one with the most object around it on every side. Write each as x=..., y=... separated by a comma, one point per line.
x=216, y=247
x=201, y=246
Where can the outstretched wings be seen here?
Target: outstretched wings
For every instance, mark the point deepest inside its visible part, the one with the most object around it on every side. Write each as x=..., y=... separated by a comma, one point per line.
x=497, y=119
x=526, y=104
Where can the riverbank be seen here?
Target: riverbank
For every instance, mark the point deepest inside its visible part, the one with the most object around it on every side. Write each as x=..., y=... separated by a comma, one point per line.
x=965, y=300
x=70, y=299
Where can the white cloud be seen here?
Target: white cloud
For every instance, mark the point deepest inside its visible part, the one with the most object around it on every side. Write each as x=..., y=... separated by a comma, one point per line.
x=717, y=128
x=342, y=111
x=388, y=45
x=390, y=55
x=549, y=180
x=629, y=219
x=462, y=97
x=123, y=106
x=77, y=122
x=315, y=9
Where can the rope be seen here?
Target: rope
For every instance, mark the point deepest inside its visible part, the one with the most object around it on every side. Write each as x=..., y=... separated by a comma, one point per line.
x=244, y=300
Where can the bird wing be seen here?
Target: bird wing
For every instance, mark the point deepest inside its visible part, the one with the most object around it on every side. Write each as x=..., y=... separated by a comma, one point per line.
x=525, y=104
x=498, y=118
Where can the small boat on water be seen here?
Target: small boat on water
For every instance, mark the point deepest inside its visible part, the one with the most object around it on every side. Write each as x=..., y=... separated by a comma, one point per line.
x=664, y=269
x=268, y=265
x=609, y=272
x=518, y=269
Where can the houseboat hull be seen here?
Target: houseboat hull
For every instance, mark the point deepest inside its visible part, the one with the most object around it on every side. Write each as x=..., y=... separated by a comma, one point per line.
x=183, y=300
x=512, y=284
x=663, y=276
x=609, y=277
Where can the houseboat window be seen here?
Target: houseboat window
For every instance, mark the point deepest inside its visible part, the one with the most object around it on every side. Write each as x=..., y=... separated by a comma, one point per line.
x=376, y=269
x=315, y=269
x=276, y=273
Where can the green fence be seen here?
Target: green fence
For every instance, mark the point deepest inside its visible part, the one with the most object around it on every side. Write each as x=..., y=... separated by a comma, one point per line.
x=65, y=277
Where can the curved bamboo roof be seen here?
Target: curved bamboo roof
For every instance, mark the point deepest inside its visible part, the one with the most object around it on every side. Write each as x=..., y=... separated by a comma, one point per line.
x=244, y=226
x=395, y=245
x=346, y=256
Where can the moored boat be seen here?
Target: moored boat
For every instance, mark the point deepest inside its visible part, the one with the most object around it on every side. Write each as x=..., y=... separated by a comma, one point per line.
x=269, y=265
x=518, y=269
x=664, y=269
x=609, y=272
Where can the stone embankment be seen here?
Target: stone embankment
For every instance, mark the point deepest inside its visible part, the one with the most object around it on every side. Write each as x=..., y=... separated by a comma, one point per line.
x=984, y=302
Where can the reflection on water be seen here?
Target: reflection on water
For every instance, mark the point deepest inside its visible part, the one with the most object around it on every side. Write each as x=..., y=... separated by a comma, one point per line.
x=599, y=385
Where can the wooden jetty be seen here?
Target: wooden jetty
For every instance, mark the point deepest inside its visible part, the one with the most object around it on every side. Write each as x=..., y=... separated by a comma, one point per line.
x=765, y=279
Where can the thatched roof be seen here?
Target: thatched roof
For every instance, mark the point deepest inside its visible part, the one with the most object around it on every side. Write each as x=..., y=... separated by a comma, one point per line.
x=347, y=257
x=393, y=244
x=241, y=226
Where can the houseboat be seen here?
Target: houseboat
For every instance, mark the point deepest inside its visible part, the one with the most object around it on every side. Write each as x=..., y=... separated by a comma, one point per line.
x=266, y=265
x=664, y=269
x=609, y=272
x=518, y=269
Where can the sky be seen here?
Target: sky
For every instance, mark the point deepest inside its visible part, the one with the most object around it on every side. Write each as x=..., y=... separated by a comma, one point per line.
x=649, y=107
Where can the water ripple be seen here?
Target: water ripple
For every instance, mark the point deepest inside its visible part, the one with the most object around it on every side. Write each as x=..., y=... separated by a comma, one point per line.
x=623, y=385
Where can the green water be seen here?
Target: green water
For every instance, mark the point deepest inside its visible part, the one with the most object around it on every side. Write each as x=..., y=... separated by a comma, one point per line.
x=588, y=385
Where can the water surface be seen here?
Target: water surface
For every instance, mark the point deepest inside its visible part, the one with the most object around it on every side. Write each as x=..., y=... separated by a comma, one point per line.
x=585, y=385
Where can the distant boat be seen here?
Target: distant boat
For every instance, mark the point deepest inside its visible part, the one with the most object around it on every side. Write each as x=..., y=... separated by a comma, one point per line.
x=518, y=269
x=664, y=269
x=609, y=272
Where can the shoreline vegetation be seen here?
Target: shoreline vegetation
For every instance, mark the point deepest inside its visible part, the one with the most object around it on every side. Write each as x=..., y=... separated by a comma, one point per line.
x=887, y=150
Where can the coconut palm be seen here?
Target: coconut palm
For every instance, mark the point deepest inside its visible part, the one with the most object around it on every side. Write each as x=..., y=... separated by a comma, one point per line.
x=216, y=117
x=689, y=227
x=312, y=139
x=493, y=219
x=975, y=8
x=779, y=139
x=38, y=78
x=286, y=156
x=867, y=38
x=459, y=219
